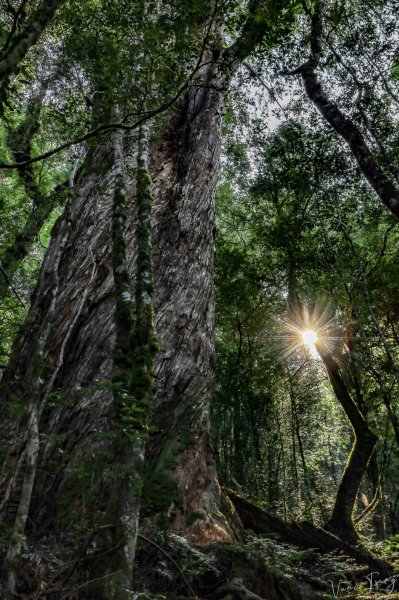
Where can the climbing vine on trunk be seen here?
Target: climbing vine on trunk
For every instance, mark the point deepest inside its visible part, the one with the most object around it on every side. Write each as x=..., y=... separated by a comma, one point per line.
x=135, y=347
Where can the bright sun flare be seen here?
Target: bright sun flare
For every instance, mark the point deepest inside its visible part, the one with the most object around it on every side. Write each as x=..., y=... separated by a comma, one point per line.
x=305, y=329
x=309, y=337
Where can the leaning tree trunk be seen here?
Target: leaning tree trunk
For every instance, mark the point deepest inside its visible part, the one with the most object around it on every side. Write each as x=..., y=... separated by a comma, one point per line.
x=74, y=413
x=341, y=521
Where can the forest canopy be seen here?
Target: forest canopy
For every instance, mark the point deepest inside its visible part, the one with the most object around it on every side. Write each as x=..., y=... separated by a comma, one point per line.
x=199, y=299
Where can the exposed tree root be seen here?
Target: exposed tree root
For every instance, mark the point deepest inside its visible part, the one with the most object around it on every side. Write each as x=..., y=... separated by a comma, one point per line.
x=302, y=534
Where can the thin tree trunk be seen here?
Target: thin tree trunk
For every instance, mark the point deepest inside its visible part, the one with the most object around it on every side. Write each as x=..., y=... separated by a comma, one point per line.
x=341, y=521
x=132, y=380
x=373, y=467
x=235, y=384
x=281, y=438
x=300, y=445
x=293, y=446
x=16, y=543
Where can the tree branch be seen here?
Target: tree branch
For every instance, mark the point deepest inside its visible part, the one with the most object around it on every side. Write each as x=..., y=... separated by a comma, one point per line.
x=107, y=127
x=11, y=286
x=17, y=15
x=343, y=125
x=29, y=35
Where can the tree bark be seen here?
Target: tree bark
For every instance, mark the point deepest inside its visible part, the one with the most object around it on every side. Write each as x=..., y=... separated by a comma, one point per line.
x=184, y=308
x=74, y=480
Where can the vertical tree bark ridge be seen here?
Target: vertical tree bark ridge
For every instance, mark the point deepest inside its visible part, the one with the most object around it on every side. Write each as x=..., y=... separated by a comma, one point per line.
x=184, y=308
x=28, y=36
x=123, y=509
x=341, y=521
x=87, y=355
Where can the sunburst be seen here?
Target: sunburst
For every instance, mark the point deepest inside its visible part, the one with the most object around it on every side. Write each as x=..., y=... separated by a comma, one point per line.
x=305, y=329
x=309, y=337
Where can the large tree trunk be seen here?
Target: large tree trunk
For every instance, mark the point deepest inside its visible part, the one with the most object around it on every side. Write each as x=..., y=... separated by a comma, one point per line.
x=74, y=418
x=185, y=167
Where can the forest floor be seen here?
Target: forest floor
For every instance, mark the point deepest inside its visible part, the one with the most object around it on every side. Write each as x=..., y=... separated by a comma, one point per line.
x=275, y=560
x=260, y=568
x=168, y=567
